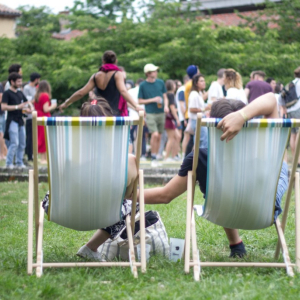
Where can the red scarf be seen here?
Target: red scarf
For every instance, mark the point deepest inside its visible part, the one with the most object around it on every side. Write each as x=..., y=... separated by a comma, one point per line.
x=122, y=102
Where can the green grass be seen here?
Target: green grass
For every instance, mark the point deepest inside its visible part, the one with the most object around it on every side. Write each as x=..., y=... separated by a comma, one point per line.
x=163, y=280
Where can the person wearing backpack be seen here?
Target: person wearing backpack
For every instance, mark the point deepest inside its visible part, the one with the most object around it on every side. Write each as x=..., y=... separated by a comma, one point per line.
x=289, y=99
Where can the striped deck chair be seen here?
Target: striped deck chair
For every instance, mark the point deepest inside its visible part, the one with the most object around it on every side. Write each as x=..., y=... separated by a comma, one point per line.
x=242, y=178
x=87, y=174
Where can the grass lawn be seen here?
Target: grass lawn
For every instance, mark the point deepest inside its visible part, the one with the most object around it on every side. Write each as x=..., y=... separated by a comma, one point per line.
x=163, y=280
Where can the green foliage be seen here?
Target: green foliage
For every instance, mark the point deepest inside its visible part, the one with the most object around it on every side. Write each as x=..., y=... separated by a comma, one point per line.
x=165, y=38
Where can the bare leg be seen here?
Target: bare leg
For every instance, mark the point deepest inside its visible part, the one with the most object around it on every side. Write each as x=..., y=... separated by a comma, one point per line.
x=186, y=139
x=232, y=235
x=171, y=142
x=154, y=142
x=99, y=237
x=293, y=141
x=3, y=149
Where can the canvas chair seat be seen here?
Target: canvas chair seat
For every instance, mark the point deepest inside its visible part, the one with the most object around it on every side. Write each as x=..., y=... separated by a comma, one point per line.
x=87, y=174
x=242, y=178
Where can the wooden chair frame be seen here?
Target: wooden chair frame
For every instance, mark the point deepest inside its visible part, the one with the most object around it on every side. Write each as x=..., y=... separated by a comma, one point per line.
x=192, y=259
x=35, y=206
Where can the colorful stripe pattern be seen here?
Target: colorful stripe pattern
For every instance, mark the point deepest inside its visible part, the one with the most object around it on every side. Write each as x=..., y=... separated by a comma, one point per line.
x=86, y=121
x=88, y=171
x=257, y=123
x=242, y=176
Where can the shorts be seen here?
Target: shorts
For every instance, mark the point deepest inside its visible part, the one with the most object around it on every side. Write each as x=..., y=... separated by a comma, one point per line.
x=156, y=122
x=294, y=115
x=169, y=124
x=2, y=123
x=203, y=135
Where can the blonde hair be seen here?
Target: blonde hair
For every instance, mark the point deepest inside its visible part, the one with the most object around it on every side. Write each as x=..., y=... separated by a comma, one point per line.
x=232, y=79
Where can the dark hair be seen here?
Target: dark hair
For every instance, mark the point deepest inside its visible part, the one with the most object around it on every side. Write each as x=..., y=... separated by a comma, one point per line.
x=138, y=82
x=170, y=85
x=101, y=109
x=220, y=73
x=14, y=68
x=194, y=82
x=34, y=76
x=269, y=79
x=223, y=107
x=297, y=72
x=44, y=87
x=14, y=77
x=109, y=57
x=259, y=73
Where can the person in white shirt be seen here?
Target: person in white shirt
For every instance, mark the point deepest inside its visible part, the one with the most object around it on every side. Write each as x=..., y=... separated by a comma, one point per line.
x=196, y=105
x=215, y=91
x=134, y=114
x=234, y=86
x=293, y=112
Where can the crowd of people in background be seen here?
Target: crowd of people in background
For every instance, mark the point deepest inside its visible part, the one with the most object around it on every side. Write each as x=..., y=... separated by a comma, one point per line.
x=171, y=107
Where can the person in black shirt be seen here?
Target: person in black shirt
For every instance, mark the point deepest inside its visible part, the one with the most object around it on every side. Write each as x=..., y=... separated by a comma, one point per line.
x=3, y=149
x=234, y=114
x=14, y=102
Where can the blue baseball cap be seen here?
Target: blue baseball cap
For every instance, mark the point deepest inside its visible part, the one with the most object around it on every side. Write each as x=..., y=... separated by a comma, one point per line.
x=192, y=70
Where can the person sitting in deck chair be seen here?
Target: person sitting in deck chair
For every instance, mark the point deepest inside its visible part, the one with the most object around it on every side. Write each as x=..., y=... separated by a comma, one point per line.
x=97, y=108
x=234, y=114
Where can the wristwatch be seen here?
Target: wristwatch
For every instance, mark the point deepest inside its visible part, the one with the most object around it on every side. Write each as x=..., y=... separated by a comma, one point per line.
x=16, y=107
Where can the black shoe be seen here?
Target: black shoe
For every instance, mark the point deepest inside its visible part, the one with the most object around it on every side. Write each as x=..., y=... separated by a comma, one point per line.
x=237, y=250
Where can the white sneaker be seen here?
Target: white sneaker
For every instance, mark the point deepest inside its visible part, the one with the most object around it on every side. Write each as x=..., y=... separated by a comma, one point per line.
x=143, y=158
x=169, y=159
x=21, y=166
x=10, y=166
x=86, y=252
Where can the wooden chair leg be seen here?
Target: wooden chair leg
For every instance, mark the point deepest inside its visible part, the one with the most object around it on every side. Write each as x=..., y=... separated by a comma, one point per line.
x=30, y=224
x=39, y=269
x=142, y=222
x=195, y=249
x=188, y=223
x=131, y=247
x=297, y=221
x=285, y=251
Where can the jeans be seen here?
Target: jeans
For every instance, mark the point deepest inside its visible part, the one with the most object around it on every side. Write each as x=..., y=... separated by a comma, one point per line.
x=29, y=149
x=203, y=136
x=16, y=144
x=282, y=186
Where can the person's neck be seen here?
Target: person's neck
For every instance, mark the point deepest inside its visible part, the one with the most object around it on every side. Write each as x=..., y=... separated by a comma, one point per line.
x=220, y=81
x=13, y=89
x=32, y=84
x=150, y=79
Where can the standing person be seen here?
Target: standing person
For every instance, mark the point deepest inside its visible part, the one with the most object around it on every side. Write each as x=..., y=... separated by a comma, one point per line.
x=272, y=82
x=43, y=106
x=108, y=83
x=152, y=94
x=188, y=141
x=30, y=91
x=234, y=85
x=196, y=105
x=14, y=68
x=257, y=87
x=215, y=90
x=134, y=92
x=3, y=149
x=293, y=112
x=14, y=101
x=172, y=121
x=181, y=106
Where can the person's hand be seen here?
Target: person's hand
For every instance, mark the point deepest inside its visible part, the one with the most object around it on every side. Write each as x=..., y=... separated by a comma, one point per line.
x=62, y=106
x=158, y=99
x=27, y=110
x=231, y=125
x=53, y=105
x=22, y=105
x=166, y=109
